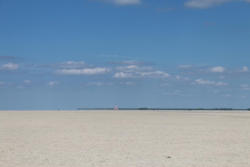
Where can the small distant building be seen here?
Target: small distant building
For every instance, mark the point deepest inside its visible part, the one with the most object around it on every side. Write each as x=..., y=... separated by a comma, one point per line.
x=116, y=107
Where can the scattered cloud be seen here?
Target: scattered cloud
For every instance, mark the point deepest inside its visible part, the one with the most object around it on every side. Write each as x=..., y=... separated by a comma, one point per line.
x=84, y=71
x=123, y=2
x=123, y=75
x=222, y=71
x=142, y=74
x=153, y=74
x=128, y=83
x=127, y=62
x=134, y=68
x=227, y=95
x=138, y=71
x=99, y=83
x=27, y=81
x=79, y=68
x=177, y=93
x=52, y=83
x=128, y=68
x=178, y=77
x=208, y=82
x=63, y=65
x=204, y=3
x=208, y=3
x=8, y=58
x=217, y=69
x=72, y=64
x=185, y=66
x=9, y=66
x=244, y=69
x=245, y=86
x=192, y=69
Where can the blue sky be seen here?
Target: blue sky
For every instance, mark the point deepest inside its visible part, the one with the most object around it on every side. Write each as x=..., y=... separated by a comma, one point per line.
x=62, y=54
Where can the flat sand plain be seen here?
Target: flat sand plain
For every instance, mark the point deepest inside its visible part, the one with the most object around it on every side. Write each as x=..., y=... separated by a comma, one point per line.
x=124, y=139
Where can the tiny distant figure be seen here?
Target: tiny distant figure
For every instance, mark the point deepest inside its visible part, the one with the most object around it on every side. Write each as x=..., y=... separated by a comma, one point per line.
x=116, y=107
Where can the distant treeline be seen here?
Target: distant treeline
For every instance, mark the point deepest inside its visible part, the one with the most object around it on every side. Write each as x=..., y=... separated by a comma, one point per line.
x=146, y=108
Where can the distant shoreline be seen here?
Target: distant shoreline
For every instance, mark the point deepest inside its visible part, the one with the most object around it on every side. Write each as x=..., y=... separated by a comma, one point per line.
x=133, y=109
x=196, y=109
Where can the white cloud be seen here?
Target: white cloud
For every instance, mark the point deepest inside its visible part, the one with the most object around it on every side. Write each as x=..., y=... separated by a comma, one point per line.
x=244, y=69
x=99, y=84
x=127, y=62
x=220, y=83
x=207, y=82
x=176, y=93
x=207, y=3
x=52, y=83
x=227, y=95
x=142, y=74
x=27, y=81
x=72, y=64
x=95, y=83
x=134, y=68
x=184, y=66
x=128, y=68
x=123, y=75
x=178, y=77
x=204, y=3
x=9, y=66
x=157, y=74
x=84, y=71
x=138, y=71
x=124, y=2
x=218, y=69
x=245, y=86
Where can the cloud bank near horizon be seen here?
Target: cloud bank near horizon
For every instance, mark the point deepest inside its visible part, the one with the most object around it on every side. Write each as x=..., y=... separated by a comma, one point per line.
x=123, y=2
x=203, y=4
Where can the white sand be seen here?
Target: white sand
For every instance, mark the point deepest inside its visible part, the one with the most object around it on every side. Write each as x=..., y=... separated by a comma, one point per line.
x=124, y=139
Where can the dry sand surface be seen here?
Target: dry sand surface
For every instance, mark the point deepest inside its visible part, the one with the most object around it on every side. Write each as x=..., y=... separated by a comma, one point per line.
x=124, y=139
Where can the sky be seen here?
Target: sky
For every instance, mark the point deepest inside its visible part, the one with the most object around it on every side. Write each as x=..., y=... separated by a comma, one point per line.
x=68, y=54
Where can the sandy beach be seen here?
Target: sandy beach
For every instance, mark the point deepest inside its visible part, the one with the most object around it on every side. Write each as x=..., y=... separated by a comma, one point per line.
x=124, y=139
